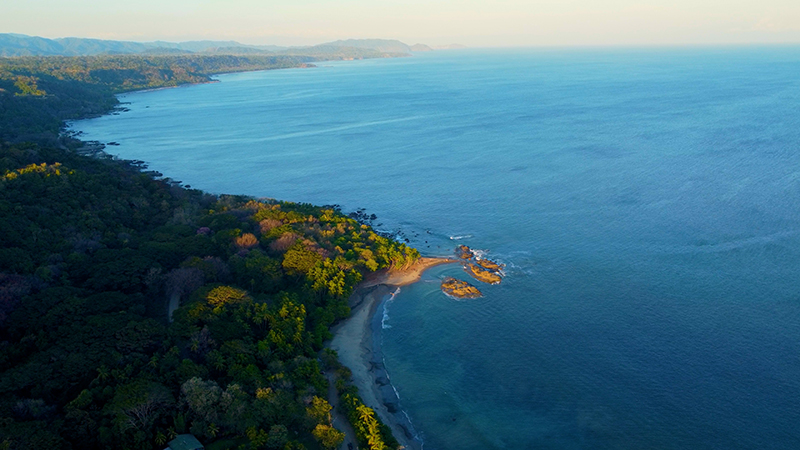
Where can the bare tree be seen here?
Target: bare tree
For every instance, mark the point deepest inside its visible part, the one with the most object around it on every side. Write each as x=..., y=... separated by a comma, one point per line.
x=184, y=281
x=283, y=243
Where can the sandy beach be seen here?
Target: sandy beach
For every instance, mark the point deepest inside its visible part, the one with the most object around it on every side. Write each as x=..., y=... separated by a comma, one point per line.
x=353, y=341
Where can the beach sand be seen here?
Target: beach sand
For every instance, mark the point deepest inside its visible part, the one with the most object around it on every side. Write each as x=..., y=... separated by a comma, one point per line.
x=353, y=341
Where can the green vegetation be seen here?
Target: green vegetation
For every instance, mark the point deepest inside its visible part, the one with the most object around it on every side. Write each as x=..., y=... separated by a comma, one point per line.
x=372, y=434
x=92, y=250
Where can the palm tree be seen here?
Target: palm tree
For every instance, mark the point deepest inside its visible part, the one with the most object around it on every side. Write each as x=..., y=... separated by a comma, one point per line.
x=103, y=373
x=161, y=439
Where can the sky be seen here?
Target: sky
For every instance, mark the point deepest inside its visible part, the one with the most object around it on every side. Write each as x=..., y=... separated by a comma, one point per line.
x=476, y=23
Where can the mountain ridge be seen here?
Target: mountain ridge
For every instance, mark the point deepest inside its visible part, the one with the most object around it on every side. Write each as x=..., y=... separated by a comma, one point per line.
x=15, y=44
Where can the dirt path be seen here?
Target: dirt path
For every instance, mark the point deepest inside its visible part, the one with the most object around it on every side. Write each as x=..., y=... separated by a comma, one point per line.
x=338, y=418
x=174, y=303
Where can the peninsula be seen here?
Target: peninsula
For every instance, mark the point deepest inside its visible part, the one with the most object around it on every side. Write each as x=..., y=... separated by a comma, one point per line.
x=94, y=249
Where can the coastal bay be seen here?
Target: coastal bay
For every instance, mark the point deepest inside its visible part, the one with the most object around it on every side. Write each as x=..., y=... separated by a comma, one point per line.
x=353, y=342
x=643, y=203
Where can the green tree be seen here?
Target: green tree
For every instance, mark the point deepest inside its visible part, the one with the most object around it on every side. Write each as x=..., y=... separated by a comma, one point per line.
x=138, y=404
x=225, y=295
x=299, y=261
x=320, y=410
x=202, y=398
x=328, y=436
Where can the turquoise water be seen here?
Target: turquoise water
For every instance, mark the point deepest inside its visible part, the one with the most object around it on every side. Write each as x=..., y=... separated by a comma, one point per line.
x=646, y=204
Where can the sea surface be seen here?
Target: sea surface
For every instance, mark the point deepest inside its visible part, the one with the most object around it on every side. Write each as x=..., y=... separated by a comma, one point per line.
x=646, y=203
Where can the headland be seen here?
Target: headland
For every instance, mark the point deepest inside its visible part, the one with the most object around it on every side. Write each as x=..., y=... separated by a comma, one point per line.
x=353, y=341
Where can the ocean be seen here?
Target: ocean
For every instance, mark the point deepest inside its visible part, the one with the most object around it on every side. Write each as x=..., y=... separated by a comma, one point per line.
x=645, y=202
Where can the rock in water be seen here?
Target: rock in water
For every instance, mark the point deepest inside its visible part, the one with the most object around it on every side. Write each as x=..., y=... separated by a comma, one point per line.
x=459, y=289
x=490, y=265
x=481, y=274
x=464, y=252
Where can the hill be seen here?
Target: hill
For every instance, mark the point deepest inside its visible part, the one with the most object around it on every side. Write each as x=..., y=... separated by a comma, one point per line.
x=383, y=45
x=421, y=48
x=328, y=51
x=21, y=45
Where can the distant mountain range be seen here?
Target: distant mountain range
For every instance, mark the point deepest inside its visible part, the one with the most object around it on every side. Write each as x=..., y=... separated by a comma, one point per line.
x=383, y=45
x=421, y=48
x=23, y=45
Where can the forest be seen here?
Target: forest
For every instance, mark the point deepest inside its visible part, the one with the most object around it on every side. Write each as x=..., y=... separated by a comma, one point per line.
x=134, y=309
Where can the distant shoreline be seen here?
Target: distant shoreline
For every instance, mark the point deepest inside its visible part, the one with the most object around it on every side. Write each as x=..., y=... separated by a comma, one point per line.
x=353, y=341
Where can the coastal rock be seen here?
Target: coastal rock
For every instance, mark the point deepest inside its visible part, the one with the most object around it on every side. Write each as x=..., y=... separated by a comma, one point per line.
x=481, y=269
x=481, y=274
x=490, y=265
x=459, y=289
x=464, y=252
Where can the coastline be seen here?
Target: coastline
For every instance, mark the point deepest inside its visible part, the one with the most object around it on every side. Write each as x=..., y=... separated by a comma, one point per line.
x=354, y=338
x=355, y=342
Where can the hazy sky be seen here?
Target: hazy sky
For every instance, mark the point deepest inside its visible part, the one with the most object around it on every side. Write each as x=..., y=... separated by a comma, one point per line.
x=471, y=22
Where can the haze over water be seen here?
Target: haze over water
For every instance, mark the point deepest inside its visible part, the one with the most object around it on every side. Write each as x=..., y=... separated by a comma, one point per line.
x=646, y=204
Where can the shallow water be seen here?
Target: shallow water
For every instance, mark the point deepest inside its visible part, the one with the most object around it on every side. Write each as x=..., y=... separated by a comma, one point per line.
x=646, y=203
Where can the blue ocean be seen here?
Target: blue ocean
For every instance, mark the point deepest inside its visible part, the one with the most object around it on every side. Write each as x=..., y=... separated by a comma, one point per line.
x=645, y=202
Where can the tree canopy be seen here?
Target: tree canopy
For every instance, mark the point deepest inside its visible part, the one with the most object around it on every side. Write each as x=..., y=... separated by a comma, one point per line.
x=93, y=251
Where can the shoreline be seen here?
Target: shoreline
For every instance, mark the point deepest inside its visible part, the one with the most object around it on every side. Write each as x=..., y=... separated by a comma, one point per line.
x=354, y=340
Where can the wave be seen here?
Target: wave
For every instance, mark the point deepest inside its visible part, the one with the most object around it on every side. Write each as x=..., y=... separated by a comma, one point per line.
x=335, y=129
x=458, y=238
x=520, y=269
x=385, y=317
x=409, y=425
x=479, y=254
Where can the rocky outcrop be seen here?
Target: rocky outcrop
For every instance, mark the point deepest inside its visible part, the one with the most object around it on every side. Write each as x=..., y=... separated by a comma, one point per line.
x=464, y=252
x=481, y=274
x=484, y=270
x=459, y=289
x=490, y=265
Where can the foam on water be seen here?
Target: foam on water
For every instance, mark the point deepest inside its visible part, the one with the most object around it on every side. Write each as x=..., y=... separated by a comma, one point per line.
x=385, y=310
x=458, y=238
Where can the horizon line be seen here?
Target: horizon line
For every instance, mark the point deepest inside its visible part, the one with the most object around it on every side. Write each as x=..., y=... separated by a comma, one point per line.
x=499, y=47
